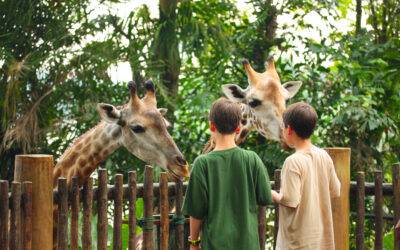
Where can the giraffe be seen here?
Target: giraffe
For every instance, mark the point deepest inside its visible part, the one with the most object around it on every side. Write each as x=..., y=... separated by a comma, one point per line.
x=138, y=126
x=262, y=102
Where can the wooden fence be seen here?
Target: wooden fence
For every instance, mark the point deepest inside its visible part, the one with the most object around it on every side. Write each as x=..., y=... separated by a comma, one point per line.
x=162, y=231
x=15, y=215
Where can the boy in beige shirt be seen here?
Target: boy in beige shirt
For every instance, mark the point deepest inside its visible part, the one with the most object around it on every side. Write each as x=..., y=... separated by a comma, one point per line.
x=308, y=182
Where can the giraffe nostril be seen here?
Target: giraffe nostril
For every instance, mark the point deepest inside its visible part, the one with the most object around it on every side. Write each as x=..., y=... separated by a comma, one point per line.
x=180, y=160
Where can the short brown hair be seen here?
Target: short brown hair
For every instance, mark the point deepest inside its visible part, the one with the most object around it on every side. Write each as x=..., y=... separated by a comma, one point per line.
x=302, y=118
x=226, y=115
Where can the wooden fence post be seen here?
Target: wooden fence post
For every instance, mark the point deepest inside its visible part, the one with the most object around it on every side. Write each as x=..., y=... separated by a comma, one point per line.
x=132, y=210
x=102, y=221
x=118, y=203
x=15, y=225
x=396, y=196
x=74, y=200
x=164, y=218
x=38, y=169
x=148, y=209
x=378, y=211
x=341, y=205
x=87, y=214
x=62, y=227
x=4, y=215
x=27, y=215
x=360, y=210
x=178, y=213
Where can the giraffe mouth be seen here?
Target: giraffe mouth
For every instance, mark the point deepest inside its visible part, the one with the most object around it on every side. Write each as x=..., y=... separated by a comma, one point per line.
x=174, y=175
x=181, y=174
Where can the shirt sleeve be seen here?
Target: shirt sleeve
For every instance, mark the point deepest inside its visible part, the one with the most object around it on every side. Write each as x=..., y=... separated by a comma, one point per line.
x=291, y=183
x=334, y=183
x=195, y=203
x=262, y=183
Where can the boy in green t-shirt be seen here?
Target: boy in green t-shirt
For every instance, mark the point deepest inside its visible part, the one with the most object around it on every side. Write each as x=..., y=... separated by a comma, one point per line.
x=225, y=187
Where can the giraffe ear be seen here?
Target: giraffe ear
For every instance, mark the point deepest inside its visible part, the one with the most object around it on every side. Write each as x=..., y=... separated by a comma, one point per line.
x=234, y=93
x=108, y=113
x=163, y=111
x=291, y=88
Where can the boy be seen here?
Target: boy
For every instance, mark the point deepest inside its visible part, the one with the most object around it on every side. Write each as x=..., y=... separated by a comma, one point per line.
x=308, y=182
x=225, y=187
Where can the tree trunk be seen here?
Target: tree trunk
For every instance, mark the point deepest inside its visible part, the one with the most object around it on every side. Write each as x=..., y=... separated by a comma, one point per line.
x=374, y=20
x=267, y=34
x=384, y=35
x=166, y=52
x=358, y=17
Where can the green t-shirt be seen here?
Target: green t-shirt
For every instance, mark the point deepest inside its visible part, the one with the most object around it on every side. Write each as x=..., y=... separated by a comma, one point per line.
x=224, y=190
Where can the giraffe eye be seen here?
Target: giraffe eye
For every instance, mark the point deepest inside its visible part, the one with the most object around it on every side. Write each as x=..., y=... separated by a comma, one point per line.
x=254, y=103
x=138, y=129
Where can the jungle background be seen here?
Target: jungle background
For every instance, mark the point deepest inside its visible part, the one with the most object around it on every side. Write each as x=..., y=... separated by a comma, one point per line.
x=58, y=59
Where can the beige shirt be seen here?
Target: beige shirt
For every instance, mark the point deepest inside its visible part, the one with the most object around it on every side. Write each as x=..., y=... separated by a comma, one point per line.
x=308, y=182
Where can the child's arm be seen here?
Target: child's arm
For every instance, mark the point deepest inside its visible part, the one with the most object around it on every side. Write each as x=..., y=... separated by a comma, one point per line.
x=397, y=230
x=276, y=197
x=195, y=227
x=334, y=183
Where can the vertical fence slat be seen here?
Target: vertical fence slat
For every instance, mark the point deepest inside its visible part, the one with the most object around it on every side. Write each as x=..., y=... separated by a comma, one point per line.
x=4, y=215
x=277, y=186
x=396, y=196
x=87, y=214
x=27, y=215
x=118, y=196
x=261, y=226
x=360, y=210
x=74, y=198
x=15, y=228
x=148, y=209
x=178, y=208
x=164, y=204
x=102, y=221
x=378, y=210
x=132, y=210
x=62, y=227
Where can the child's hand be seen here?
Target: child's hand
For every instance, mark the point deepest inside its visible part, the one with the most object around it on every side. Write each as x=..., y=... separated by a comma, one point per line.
x=276, y=197
x=195, y=248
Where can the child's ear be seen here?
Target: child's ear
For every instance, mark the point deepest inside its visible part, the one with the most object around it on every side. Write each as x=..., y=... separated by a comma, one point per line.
x=234, y=93
x=212, y=127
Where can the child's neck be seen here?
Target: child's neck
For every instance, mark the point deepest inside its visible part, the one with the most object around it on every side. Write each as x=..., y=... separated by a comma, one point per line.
x=302, y=144
x=223, y=142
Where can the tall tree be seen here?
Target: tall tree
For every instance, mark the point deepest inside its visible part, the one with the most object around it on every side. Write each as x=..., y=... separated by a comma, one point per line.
x=166, y=52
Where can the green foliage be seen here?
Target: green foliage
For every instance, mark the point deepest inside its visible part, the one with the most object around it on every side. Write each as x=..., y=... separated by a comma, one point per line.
x=55, y=61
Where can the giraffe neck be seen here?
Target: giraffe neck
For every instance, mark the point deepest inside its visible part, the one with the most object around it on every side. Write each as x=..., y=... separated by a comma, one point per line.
x=88, y=151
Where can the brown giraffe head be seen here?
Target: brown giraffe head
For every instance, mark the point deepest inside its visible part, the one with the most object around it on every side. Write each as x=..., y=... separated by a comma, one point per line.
x=264, y=97
x=143, y=130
